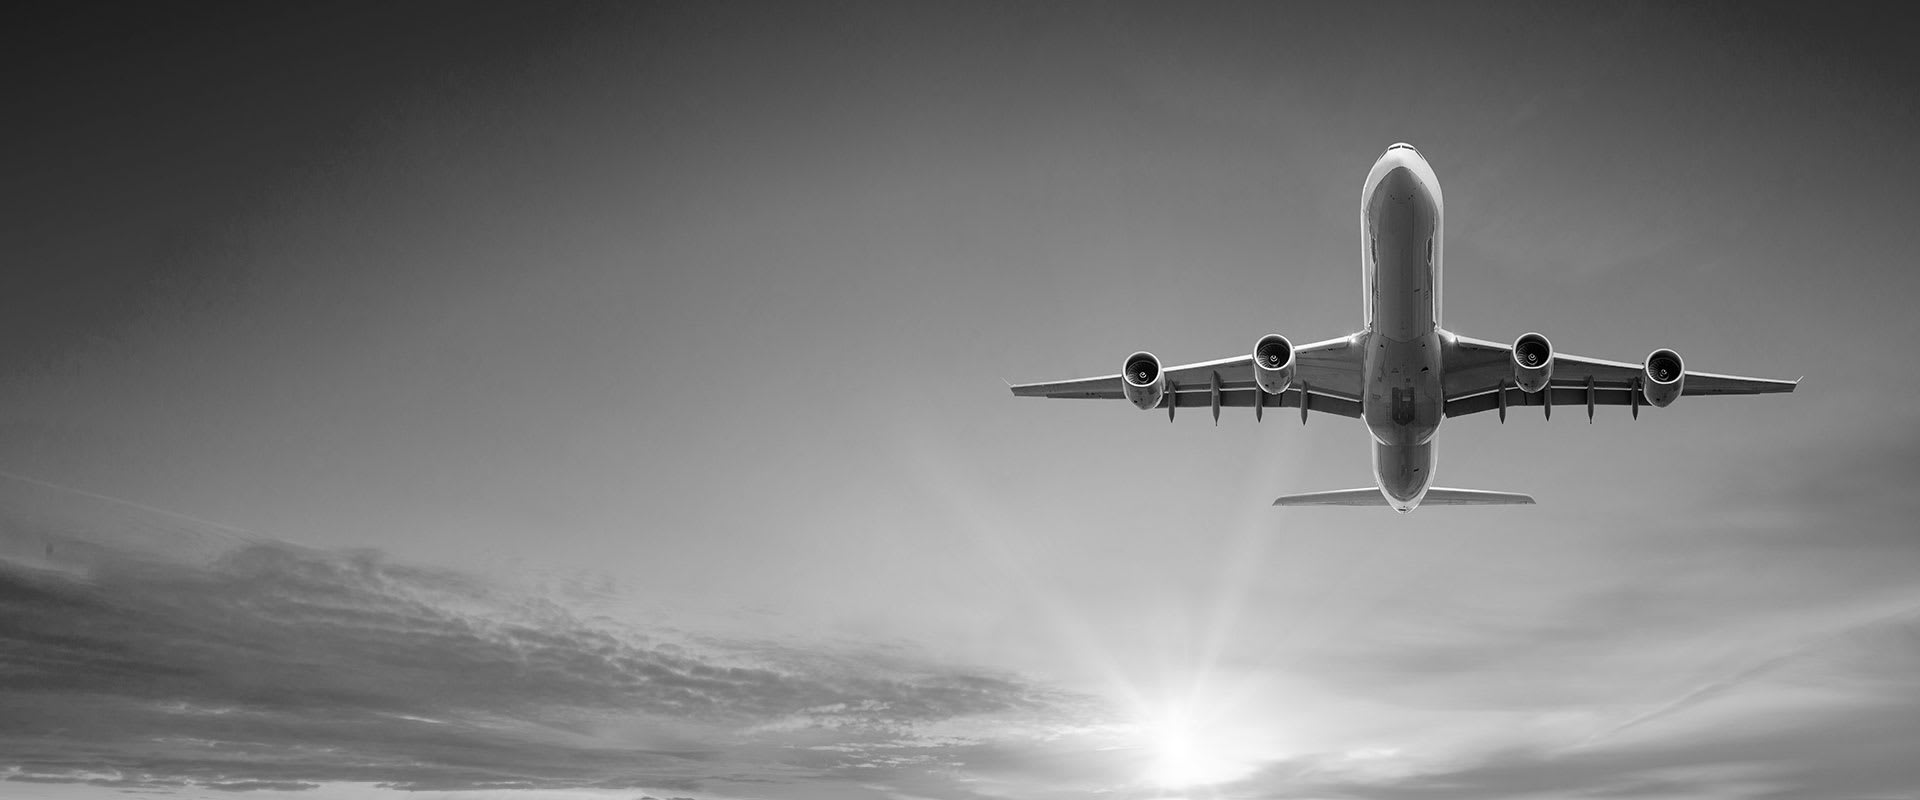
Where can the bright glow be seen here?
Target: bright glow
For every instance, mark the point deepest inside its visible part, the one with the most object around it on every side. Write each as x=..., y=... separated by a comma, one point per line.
x=1188, y=754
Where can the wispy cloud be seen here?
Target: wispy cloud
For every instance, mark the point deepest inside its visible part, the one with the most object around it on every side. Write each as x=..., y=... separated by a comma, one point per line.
x=144, y=652
x=273, y=666
x=139, y=650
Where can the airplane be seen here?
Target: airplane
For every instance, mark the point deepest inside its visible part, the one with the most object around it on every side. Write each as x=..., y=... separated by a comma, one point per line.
x=1402, y=373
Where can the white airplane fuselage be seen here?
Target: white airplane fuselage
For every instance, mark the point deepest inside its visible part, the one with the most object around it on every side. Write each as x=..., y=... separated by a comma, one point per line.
x=1401, y=253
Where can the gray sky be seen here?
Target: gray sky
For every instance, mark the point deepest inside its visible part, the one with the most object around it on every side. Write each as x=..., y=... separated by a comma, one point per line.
x=555, y=401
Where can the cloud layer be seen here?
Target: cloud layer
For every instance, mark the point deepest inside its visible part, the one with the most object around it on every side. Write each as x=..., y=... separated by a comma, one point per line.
x=139, y=651
x=272, y=666
x=1771, y=656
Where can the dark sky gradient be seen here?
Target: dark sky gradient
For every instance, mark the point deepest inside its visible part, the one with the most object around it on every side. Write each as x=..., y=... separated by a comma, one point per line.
x=605, y=399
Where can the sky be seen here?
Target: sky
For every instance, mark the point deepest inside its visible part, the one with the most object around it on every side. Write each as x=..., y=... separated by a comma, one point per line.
x=541, y=401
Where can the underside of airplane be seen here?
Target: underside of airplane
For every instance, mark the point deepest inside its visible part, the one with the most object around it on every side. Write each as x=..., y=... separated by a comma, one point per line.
x=1403, y=374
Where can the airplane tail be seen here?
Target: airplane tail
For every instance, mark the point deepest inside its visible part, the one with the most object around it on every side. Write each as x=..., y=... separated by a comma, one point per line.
x=1474, y=497
x=1436, y=496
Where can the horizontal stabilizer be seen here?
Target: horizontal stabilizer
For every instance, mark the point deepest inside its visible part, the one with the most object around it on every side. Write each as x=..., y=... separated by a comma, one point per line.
x=1437, y=496
x=1369, y=496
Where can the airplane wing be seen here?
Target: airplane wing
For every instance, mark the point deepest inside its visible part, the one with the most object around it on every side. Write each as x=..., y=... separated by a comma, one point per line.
x=1326, y=379
x=1478, y=374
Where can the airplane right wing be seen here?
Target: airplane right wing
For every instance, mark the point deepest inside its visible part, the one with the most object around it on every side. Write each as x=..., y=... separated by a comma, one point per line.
x=1326, y=379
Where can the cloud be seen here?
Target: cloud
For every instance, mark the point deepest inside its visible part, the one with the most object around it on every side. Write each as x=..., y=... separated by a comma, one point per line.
x=270, y=666
x=1832, y=713
x=150, y=654
x=249, y=786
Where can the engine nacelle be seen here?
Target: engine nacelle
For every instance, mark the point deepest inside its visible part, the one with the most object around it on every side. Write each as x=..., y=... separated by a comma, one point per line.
x=1532, y=362
x=1273, y=363
x=1665, y=375
x=1142, y=381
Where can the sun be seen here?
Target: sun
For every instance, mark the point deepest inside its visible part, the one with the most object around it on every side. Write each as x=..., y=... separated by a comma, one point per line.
x=1186, y=754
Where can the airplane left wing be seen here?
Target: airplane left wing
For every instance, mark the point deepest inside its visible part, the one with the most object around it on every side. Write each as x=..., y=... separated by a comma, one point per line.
x=1479, y=376
x=1326, y=379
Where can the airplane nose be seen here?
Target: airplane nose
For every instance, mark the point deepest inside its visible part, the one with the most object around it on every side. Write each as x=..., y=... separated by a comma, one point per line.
x=1400, y=182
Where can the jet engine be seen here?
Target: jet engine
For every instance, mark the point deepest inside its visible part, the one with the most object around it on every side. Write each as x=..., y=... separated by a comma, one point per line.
x=1532, y=362
x=1142, y=381
x=1665, y=376
x=1273, y=363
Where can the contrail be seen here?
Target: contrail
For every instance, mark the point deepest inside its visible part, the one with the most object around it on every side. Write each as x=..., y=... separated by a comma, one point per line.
x=1751, y=673
x=198, y=522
